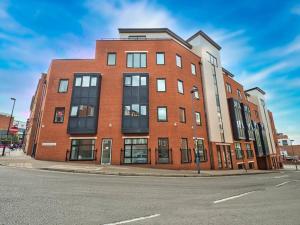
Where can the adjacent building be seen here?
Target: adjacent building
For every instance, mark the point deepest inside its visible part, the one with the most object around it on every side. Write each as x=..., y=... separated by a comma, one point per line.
x=150, y=98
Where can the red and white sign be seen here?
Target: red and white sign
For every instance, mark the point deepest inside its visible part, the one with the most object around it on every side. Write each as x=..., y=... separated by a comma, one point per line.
x=13, y=130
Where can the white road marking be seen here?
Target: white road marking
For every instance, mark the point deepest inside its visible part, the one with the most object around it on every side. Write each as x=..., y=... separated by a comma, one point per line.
x=281, y=176
x=233, y=197
x=134, y=220
x=281, y=184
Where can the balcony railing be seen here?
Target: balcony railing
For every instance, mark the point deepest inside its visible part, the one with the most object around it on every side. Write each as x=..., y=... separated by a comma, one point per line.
x=132, y=157
x=186, y=156
x=163, y=156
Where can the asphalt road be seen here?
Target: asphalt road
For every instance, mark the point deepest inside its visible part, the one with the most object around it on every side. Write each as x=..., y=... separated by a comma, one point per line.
x=43, y=197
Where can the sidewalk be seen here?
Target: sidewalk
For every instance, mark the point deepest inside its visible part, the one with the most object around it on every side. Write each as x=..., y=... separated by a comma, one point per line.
x=20, y=160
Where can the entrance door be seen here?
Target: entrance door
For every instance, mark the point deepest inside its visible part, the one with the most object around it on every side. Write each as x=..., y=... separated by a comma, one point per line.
x=106, y=151
x=229, y=157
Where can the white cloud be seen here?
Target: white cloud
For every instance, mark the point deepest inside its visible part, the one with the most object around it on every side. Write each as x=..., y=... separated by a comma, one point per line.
x=296, y=10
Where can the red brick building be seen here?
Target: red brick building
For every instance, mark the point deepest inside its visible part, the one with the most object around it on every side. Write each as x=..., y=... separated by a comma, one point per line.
x=149, y=98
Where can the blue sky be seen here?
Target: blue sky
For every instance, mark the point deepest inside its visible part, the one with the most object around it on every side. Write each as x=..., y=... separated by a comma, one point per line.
x=260, y=42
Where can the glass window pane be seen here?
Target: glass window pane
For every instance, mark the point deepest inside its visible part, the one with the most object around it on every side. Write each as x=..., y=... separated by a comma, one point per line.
x=111, y=59
x=90, y=111
x=161, y=84
x=94, y=81
x=59, y=115
x=180, y=86
x=85, y=81
x=63, y=86
x=198, y=118
x=74, y=110
x=178, y=60
x=184, y=143
x=127, y=81
x=160, y=58
x=129, y=59
x=143, y=81
x=135, y=81
x=143, y=110
x=193, y=69
x=78, y=81
x=136, y=60
x=162, y=114
x=82, y=111
x=181, y=115
x=135, y=109
x=126, y=110
x=143, y=60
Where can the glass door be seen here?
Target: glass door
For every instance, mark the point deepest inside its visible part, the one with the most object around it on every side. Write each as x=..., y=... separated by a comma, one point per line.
x=106, y=151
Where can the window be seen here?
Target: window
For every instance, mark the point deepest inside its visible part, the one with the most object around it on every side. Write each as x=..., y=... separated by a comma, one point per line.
x=196, y=93
x=180, y=86
x=63, y=86
x=250, y=153
x=184, y=151
x=135, y=81
x=135, y=110
x=82, y=149
x=137, y=37
x=85, y=81
x=228, y=88
x=182, y=115
x=163, y=150
x=93, y=81
x=238, y=151
x=127, y=110
x=193, y=69
x=74, y=111
x=162, y=114
x=161, y=85
x=199, y=145
x=111, y=59
x=178, y=61
x=78, y=81
x=212, y=59
x=143, y=110
x=59, y=115
x=135, y=150
x=160, y=58
x=284, y=142
x=198, y=118
x=239, y=94
x=136, y=60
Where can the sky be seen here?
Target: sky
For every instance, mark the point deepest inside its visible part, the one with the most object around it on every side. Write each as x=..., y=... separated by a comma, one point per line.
x=260, y=42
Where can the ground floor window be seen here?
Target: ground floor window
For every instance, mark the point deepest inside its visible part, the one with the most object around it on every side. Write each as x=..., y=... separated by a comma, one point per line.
x=238, y=151
x=250, y=153
x=135, y=150
x=219, y=154
x=251, y=165
x=240, y=166
x=199, y=145
x=163, y=150
x=82, y=149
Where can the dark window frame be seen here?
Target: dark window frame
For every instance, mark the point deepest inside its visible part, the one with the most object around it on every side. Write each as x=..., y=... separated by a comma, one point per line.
x=59, y=86
x=133, y=67
x=79, y=144
x=165, y=84
x=57, y=109
x=111, y=53
x=194, y=74
x=164, y=58
x=178, y=80
x=181, y=66
x=199, y=117
x=181, y=108
x=157, y=115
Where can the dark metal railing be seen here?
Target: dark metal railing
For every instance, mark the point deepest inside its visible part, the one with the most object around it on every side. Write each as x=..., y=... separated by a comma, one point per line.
x=163, y=156
x=139, y=159
x=203, y=158
x=186, y=156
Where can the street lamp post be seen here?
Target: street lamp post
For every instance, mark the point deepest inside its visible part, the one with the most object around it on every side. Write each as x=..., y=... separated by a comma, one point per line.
x=295, y=160
x=194, y=131
x=12, y=112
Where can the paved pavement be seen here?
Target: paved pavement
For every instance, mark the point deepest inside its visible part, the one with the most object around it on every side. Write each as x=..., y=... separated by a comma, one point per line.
x=31, y=197
x=18, y=159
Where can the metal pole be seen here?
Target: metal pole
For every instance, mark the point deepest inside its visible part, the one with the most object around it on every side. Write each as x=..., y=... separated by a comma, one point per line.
x=295, y=161
x=194, y=131
x=12, y=112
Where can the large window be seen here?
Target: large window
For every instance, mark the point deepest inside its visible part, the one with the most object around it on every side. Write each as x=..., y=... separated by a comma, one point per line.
x=239, y=119
x=238, y=151
x=228, y=88
x=180, y=86
x=82, y=149
x=111, y=58
x=135, y=81
x=199, y=145
x=82, y=111
x=196, y=92
x=136, y=60
x=135, y=110
x=135, y=150
x=162, y=114
x=161, y=84
x=178, y=61
x=212, y=59
x=182, y=115
x=59, y=115
x=160, y=58
x=63, y=86
x=193, y=69
x=198, y=118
